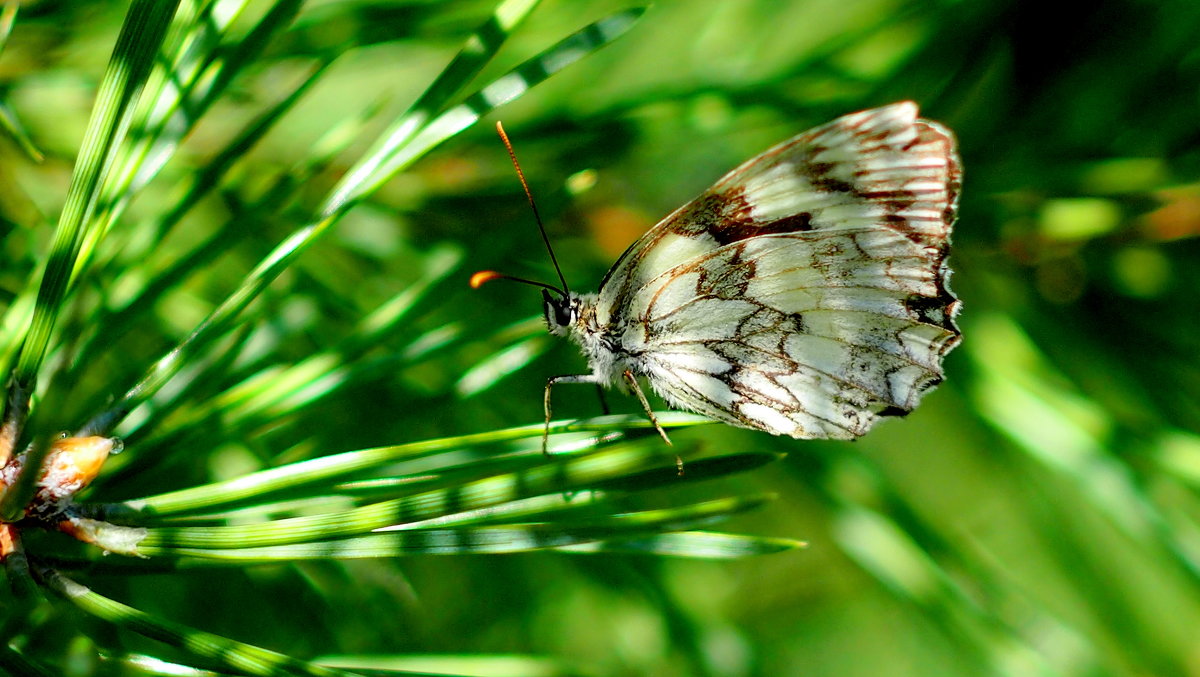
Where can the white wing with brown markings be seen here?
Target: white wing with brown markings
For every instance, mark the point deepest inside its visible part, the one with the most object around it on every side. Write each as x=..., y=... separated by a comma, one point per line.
x=805, y=293
x=811, y=334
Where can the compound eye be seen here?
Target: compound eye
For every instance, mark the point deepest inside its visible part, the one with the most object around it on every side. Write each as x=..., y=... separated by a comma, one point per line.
x=565, y=316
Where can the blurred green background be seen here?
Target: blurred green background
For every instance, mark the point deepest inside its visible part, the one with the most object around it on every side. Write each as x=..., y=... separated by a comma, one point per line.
x=1037, y=515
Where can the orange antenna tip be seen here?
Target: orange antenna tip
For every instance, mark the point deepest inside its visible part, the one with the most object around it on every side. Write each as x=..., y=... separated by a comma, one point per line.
x=483, y=277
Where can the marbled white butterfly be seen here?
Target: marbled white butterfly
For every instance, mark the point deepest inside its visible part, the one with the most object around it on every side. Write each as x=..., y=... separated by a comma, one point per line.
x=804, y=294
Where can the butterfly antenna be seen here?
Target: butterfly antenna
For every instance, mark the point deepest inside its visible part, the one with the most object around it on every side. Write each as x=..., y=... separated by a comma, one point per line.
x=485, y=276
x=536, y=216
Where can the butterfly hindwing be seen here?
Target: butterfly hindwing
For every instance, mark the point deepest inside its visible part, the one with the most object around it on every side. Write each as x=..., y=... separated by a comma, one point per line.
x=809, y=334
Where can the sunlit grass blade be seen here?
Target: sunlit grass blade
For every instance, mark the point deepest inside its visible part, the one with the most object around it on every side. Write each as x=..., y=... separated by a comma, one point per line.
x=521, y=510
x=340, y=466
x=140, y=38
x=154, y=279
x=199, y=72
x=492, y=541
x=184, y=94
x=489, y=371
x=475, y=540
x=693, y=544
x=566, y=475
x=137, y=665
x=442, y=665
x=583, y=512
x=522, y=341
x=133, y=56
x=478, y=49
x=216, y=324
x=563, y=509
x=242, y=659
x=438, y=264
x=499, y=92
x=282, y=390
x=137, y=45
x=195, y=69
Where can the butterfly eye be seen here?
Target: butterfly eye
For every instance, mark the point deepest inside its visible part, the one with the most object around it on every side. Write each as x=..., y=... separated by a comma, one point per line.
x=558, y=313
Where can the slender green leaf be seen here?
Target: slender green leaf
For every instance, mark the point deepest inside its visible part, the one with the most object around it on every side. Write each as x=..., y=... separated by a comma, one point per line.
x=569, y=474
x=137, y=45
x=697, y=544
x=415, y=143
x=260, y=484
x=442, y=665
x=417, y=538
x=480, y=47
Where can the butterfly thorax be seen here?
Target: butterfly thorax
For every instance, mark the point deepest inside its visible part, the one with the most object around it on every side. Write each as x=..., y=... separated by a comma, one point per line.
x=574, y=316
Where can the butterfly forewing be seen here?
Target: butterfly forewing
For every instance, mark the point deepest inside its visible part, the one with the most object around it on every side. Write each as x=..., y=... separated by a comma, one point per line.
x=805, y=293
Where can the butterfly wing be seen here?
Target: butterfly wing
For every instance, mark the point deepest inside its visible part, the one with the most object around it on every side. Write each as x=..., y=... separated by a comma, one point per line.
x=812, y=334
x=805, y=293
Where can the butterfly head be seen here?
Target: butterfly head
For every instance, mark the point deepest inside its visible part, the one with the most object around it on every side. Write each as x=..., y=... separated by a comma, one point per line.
x=561, y=311
x=561, y=308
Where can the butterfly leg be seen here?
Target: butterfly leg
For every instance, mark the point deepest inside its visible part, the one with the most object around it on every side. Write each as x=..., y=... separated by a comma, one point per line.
x=575, y=378
x=603, y=400
x=637, y=390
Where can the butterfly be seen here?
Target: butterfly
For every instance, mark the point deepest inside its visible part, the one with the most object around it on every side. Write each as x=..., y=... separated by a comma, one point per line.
x=804, y=294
